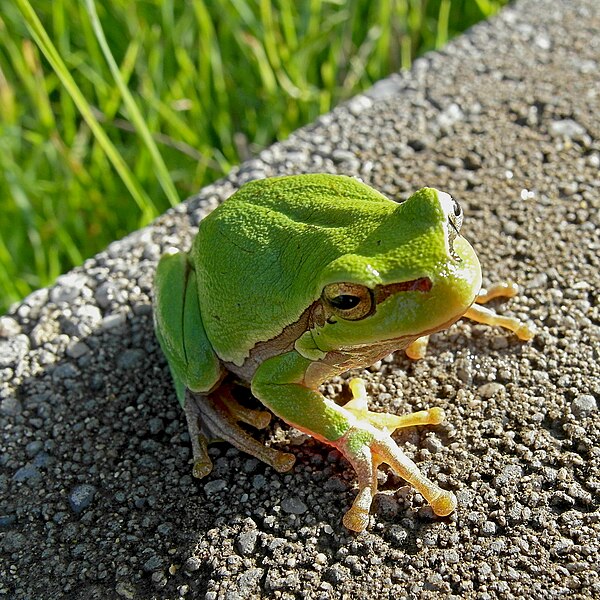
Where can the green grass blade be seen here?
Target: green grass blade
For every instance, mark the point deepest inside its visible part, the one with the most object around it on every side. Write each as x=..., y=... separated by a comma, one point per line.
x=41, y=38
x=162, y=173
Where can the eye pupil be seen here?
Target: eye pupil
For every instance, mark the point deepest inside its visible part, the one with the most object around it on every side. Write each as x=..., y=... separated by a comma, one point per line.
x=345, y=301
x=457, y=209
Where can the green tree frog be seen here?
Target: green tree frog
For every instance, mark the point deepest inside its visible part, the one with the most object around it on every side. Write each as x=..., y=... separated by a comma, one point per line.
x=296, y=279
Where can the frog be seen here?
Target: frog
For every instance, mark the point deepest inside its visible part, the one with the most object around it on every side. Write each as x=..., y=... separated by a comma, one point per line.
x=295, y=280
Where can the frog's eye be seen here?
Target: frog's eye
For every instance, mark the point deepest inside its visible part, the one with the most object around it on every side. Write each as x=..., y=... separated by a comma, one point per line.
x=349, y=301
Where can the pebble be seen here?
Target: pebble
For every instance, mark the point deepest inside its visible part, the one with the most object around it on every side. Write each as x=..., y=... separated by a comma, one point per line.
x=567, y=128
x=81, y=497
x=584, y=405
x=9, y=327
x=68, y=288
x=489, y=390
x=131, y=359
x=246, y=542
x=154, y=563
x=113, y=321
x=27, y=473
x=32, y=448
x=293, y=505
x=214, y=487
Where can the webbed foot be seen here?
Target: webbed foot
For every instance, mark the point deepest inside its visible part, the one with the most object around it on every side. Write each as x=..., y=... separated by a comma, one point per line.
x=368, y=444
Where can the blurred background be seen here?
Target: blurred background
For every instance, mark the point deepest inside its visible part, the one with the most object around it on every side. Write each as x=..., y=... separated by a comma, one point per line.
x=110, y=112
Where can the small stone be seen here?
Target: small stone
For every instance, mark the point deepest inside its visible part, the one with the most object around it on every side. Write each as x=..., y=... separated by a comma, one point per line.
x=154, y=563
x=337, y=574
x=192, y=564
x=10, y=406
x=67, y=288
x=214, y=487
x=489, y=390
x=9, y=327
x=567, y=128
x=293, y=505
x=397, y=535
x=131, y=359
x=77, y=349
x=27, y=473
x=433, y=444
x=81, y=497
x=113, y=321
x=584, y=405
x=249, y=581
x=33, y=448
x=488, y=528
x=259, y=481
x=13, y=350
x=246, y=542
x=451, y=115
x=125, y=590
x=7, y=520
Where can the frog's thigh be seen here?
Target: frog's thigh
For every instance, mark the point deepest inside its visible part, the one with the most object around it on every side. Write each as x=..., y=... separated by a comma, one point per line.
x=179, y=327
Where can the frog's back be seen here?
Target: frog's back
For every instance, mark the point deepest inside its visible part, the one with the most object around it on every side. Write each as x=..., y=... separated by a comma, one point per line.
x=259, y=255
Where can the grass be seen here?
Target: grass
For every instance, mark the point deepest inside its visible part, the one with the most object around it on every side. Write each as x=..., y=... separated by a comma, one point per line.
x=111, y=112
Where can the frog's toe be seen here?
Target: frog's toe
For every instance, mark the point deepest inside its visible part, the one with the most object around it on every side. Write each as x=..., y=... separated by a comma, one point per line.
x=215, y=417
x=366, y=449
x=387, y=422
x=202, y=467
x=357, y=517
x=256, y=418
x=418, y=349
x=443, y=502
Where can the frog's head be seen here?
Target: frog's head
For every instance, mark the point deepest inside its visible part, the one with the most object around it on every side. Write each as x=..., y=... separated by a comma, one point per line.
x=409, y=275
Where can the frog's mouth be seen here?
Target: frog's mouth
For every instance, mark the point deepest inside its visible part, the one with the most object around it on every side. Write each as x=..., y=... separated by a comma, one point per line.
x=422, y=284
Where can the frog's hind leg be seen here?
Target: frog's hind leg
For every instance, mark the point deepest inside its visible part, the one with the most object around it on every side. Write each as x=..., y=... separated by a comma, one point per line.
x=480, y=314
x=216, y=416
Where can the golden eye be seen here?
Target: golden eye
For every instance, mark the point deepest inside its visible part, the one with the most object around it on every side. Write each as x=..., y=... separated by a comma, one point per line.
x=349, y=301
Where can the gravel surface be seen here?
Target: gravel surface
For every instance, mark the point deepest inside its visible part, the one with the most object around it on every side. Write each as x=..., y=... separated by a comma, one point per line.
x=97, y=498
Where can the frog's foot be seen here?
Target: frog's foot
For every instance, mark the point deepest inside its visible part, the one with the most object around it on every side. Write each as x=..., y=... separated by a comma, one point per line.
x=387, y=422
x=366, y=448
x=368, y=444
x=524, y=331
x=216, y=416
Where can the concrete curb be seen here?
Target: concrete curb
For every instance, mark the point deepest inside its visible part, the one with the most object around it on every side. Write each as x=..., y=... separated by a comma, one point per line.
x=97, y=499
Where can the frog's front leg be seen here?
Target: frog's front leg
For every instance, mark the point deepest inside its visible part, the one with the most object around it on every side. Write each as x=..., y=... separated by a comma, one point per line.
x=524, y=331
x=281, y=384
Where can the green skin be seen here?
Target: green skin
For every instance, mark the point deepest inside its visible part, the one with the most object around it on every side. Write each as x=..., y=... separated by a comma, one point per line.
x=249, y=300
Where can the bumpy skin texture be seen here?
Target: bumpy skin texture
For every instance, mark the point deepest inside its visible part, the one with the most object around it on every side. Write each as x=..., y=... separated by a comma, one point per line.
x=263, y=295
x=266, y=254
